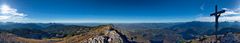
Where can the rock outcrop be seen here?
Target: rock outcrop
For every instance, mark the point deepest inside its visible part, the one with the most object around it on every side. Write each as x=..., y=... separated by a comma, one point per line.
x=225, y=38
x=101, y=34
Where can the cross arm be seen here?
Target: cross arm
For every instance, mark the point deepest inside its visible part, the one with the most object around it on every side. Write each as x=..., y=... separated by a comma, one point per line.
x=219, y=12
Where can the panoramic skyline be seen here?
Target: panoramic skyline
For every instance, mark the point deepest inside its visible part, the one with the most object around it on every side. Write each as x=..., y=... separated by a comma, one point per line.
x=115, y=11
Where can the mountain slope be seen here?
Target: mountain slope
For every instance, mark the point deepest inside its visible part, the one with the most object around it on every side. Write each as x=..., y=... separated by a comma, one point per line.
x=101, y=34
x=10, y=38
x=98, y=34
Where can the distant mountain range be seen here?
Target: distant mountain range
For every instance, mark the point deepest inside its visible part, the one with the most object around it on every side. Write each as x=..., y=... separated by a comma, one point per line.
x=133, y=32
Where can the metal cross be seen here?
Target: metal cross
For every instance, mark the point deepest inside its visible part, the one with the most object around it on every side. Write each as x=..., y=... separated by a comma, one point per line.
x=217, y=14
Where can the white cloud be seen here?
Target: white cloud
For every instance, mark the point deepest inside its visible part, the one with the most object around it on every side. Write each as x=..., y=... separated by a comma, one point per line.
x=231, y=12
x=4, y=17
x=8, y=14
x=229, y=15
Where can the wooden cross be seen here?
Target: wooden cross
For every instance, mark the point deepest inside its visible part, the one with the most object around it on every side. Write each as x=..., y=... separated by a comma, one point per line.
x=217, y=14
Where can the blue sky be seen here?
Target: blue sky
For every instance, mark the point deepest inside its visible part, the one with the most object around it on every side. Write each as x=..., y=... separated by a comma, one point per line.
x=115, y=11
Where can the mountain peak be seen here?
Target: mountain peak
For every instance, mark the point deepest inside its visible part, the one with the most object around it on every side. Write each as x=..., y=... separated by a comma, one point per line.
x=100, y=34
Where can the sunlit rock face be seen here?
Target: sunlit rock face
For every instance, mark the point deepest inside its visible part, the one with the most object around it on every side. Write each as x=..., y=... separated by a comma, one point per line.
x=99, y=39
x=108, y=36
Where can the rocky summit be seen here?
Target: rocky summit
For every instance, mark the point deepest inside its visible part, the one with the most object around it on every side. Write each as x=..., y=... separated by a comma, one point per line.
x=107, y=35
x=98, y=34
x=101, y=34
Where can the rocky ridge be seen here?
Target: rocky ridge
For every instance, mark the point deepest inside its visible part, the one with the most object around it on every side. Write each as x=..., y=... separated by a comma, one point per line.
x=103, y=34
x=98, y=34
